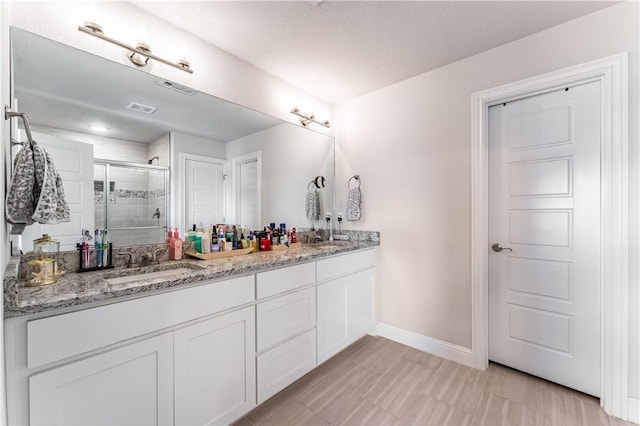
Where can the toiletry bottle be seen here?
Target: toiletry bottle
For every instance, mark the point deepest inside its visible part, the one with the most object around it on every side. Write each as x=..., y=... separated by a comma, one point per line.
x=169, y=235
x=293, y=236
x=206, y=243
x=199, y=242
x=177, y=245
x=222, y=242
x=254, y=243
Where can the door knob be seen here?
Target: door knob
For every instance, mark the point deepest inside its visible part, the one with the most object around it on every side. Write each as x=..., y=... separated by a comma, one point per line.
x=498, y=248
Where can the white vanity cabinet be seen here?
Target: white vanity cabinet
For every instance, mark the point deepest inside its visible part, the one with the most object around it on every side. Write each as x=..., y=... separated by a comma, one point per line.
x=215, y=369
x=188, y=353
x=345, y=301
x=132, y=384
x=286, y=334
x=204, y=354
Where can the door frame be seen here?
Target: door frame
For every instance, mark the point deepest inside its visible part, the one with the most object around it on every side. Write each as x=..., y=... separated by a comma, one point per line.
x=183, y=157
x=612, y=73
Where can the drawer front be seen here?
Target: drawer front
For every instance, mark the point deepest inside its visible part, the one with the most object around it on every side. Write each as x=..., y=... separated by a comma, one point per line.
x=285, y=316
x=341, y=265
x=58, y=337
x=285, y=364
x=280, y=280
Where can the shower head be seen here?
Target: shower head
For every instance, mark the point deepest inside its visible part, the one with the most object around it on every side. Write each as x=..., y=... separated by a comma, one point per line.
x=154, y=158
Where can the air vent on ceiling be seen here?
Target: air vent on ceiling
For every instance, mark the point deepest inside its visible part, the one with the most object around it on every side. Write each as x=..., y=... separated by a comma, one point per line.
x=177, y=87
x=145, y=109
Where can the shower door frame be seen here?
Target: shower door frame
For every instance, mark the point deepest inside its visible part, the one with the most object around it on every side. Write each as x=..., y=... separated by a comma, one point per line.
x=128, y=165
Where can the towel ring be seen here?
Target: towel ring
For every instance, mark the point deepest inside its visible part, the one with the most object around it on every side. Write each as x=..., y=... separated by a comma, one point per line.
x=319, y=182
x=357, y=178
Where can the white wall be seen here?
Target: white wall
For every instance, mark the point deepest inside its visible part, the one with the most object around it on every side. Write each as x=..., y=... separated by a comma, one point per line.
x=104, y=147
x=180, y=142
x=410, y=143
x=291, y=157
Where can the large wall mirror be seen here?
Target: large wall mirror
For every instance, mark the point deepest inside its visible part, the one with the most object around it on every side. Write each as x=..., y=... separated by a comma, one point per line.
x=139, y=153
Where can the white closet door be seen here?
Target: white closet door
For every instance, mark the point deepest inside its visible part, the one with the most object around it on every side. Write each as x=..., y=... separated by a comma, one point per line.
x=204, y=192
x=544, y=202
x=249, y=200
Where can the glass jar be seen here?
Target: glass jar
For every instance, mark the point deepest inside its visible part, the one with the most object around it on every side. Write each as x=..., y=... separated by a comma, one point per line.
x=44, y=270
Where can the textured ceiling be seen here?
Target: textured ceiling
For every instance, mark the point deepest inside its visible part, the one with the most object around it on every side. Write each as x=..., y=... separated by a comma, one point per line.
x=340, y=49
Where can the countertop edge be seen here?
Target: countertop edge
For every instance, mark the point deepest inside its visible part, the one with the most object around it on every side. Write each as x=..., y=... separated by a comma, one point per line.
x=215, y=270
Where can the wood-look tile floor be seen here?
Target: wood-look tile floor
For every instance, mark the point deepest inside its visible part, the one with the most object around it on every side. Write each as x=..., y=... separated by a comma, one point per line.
x=380, y=382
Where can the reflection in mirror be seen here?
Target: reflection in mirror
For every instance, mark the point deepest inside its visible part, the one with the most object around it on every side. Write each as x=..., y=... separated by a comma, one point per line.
x=172, y=156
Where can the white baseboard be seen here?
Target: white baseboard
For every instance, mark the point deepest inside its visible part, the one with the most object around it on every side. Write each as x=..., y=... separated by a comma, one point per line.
x=434, y=346
x=634, y=410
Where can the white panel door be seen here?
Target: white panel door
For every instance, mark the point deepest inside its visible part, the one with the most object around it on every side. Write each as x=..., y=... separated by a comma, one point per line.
x=249, y=195
x=544, y=209
x=74, y=162
x=215, y=369
x=131, y=385
x=204, y=192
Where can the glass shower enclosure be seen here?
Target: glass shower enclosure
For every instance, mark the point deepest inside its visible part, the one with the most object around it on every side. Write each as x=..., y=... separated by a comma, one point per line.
x=131, y=201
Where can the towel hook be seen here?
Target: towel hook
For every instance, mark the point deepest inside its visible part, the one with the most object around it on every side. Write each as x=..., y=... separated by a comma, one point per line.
x=357, y=178
x=9, y=114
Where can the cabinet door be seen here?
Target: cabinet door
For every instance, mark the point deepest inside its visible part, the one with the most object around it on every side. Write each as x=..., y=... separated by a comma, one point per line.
x=361, y=292
x=215, y=376
x=129, y=385
x=333, y=318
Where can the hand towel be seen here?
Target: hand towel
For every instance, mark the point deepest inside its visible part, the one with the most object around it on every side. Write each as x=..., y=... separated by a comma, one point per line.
x=312, y=205
x=354, y=201
x=35, y=193
x=51, y=207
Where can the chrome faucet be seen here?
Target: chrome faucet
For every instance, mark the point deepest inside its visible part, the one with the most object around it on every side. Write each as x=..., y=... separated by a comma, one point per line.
x=152, y=256
x=130, y=261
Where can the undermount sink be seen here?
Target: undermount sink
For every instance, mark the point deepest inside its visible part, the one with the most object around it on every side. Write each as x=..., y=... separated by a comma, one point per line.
x=126, y=276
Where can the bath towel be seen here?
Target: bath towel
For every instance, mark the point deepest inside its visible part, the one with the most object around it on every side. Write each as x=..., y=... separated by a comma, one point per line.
x=36, y=192
x=312, y=205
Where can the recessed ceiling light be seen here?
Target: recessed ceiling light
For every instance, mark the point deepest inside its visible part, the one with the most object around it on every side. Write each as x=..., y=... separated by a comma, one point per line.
x=98, y=128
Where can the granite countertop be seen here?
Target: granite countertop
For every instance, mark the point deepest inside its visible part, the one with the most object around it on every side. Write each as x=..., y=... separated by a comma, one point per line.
x=75, y=289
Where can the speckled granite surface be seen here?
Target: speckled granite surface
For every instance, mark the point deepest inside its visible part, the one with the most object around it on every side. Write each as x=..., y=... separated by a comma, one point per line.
x=75, y=289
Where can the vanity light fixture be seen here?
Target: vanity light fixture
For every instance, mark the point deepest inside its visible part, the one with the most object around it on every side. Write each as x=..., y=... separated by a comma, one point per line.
x=138, y=55
x=305, y=120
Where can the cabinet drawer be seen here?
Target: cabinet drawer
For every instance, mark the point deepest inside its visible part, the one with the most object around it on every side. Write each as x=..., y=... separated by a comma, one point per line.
x=348, y=263
x=280, y=280
x=285, y=364
x=285, y=316
x=58, y=337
